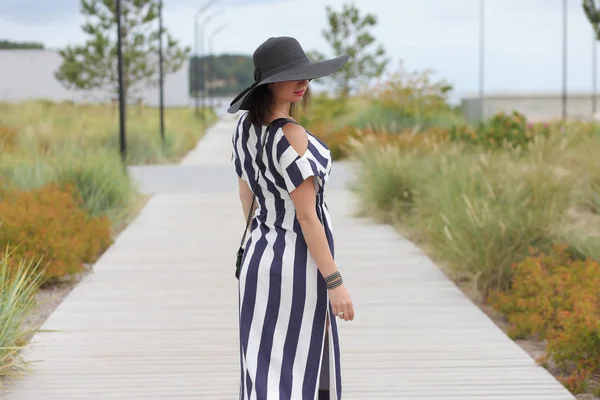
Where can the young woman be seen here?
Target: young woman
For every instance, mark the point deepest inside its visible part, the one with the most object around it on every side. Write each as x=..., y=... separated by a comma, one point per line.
x=289, y=284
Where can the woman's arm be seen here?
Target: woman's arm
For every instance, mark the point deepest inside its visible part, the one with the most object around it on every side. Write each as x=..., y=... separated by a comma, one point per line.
x=304, y=199
x=245, y=197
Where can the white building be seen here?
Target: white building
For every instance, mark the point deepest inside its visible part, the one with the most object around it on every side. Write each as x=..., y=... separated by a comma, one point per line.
x=29, y=74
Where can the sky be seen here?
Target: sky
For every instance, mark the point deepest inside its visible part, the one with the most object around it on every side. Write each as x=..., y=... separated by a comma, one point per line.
x=523, y=38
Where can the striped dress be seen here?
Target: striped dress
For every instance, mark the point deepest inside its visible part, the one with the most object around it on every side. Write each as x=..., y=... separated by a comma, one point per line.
x=287, y=349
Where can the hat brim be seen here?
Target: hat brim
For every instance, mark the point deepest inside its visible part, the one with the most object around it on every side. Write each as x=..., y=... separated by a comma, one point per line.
x=306, y=71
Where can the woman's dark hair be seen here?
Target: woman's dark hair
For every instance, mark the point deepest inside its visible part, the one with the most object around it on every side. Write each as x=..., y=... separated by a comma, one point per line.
x=262, y=104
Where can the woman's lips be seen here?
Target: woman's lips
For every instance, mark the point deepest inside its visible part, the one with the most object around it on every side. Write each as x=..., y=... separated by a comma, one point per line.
x=300, y=93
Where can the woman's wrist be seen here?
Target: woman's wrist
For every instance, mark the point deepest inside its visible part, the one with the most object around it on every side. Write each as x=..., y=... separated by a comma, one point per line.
x=334, y=280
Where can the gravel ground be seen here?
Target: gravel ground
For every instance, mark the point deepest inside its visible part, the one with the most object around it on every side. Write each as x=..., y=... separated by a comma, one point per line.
x=48, y=298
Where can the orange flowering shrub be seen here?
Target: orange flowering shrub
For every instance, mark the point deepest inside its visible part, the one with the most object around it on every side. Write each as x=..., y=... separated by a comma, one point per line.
x=556, y=298
x=407, y=139
x=502, y=130
x=48, y=224
x=339, y=141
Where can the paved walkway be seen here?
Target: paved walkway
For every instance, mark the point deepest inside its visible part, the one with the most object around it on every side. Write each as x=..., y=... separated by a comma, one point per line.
x=157, y=318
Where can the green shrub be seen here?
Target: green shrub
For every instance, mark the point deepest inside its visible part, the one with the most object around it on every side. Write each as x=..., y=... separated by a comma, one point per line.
x=99, y=176
x=404, y=101
x=101, y=181
x=502, y=131
x=393, y=118
x=479, y=212
x=488, y=213
x=26, y=172
x=571, y=150
x=387, y=183
x=408, y=99
x=506, y=130
x=324, y=109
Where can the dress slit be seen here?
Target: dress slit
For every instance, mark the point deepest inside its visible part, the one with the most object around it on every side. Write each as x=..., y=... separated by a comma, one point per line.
x=325, y=367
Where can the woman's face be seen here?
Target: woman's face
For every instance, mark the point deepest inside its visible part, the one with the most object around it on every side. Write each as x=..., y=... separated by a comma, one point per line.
x=289, y=91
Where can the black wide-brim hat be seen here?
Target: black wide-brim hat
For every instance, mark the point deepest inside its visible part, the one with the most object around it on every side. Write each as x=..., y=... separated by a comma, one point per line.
x=282, y=59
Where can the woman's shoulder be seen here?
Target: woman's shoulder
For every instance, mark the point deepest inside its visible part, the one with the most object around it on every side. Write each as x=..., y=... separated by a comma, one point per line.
x=291, y=134
x=295, y=137
x=294, y=132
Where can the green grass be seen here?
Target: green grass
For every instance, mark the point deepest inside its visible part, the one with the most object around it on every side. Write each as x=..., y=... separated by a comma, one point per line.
x=102, y=182
x=481, y=211
x=18, y=287
x=45, y=128
x=46, y=142
x=394, y=118
x=99, y=176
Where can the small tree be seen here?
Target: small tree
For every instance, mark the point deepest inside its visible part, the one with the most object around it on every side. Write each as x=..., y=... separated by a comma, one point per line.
x=592, y=11
x=348, y=33
x=94, y=64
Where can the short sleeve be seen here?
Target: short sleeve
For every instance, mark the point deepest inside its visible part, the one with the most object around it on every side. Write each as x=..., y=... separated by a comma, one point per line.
x=296, y=168
x=237, y=165
x=235, y=159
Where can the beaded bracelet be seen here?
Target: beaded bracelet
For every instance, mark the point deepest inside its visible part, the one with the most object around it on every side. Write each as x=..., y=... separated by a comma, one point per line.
x=334, y=280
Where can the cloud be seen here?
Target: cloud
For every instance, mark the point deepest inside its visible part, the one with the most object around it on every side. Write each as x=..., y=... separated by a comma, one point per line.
x=36, y=11
x=28, y=12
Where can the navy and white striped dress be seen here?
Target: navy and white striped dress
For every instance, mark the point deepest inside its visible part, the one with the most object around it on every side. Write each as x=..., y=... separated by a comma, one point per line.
x=283, y=299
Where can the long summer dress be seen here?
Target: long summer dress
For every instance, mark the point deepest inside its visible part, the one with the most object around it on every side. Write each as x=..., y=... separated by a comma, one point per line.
x=283, y=299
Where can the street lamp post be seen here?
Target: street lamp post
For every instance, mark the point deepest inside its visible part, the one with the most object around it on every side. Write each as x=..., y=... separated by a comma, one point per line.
x=210, y=53
x=481, y=59
x=194, y=74
x=205, y=63
x=122, y=100
x=564, y=62
x=594, y=75
x=161, y=72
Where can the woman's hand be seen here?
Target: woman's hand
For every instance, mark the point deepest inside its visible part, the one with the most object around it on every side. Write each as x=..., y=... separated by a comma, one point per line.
x=341, y=302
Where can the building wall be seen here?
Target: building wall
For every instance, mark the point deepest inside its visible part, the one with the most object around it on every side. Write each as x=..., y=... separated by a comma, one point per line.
x=29, y=74
x=535, y=106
